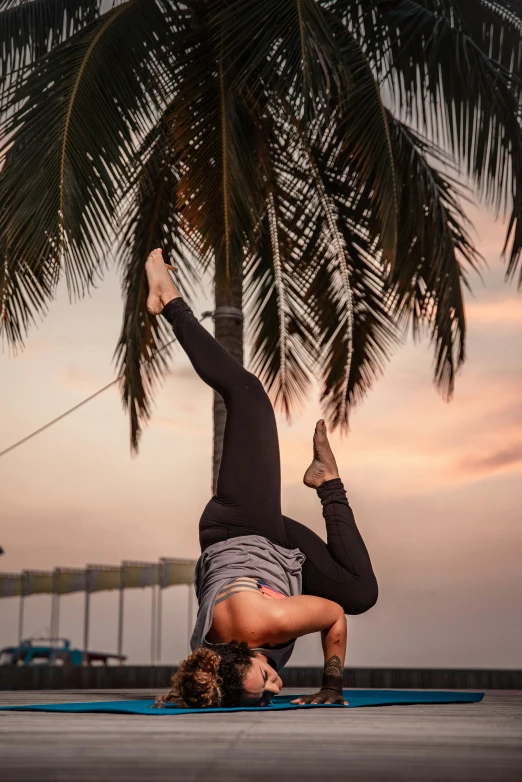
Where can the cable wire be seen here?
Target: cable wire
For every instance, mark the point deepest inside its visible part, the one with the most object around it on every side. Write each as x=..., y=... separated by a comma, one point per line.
x=89, y=398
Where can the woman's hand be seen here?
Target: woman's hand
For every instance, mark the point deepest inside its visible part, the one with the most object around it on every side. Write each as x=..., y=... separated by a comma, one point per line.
x=332, y=688
x=325, y=695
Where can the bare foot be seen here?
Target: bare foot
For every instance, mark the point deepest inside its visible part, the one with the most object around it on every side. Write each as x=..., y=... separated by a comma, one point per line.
x=161, y=287
x=323, y=467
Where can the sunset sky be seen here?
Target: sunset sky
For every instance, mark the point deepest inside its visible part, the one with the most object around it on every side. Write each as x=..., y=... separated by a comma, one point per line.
x=436, y=488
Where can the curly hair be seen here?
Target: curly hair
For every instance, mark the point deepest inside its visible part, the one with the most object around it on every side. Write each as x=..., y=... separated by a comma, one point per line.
x=211, y=677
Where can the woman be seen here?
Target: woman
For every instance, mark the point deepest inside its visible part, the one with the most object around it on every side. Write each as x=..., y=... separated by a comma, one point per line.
x=263, y=579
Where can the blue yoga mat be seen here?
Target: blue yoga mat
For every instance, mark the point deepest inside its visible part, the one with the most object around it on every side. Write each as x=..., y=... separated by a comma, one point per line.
x=355, y=698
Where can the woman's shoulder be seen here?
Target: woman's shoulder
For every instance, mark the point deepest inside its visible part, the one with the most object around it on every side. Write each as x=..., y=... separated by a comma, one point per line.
x=245, y=616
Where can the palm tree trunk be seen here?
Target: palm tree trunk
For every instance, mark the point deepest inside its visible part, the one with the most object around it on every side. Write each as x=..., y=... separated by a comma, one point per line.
x=228, y=330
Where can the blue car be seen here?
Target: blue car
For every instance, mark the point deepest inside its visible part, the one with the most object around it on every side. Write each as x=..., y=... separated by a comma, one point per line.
x=53, y=651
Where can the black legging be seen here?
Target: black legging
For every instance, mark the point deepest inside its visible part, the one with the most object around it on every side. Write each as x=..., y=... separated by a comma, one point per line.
x=248, y=498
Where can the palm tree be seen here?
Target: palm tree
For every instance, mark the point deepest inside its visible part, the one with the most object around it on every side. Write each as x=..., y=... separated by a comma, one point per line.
x=307, y=149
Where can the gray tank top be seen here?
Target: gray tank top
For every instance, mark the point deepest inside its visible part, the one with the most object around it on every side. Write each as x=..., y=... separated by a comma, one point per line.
x=248, y=555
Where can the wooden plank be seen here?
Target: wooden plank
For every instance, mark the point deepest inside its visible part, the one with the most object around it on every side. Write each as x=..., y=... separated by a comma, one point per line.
x=475, y=742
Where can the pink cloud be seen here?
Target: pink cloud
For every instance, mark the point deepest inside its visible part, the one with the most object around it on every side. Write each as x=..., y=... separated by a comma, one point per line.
x=76, y=377
x=41, y=345
x=427, y=444
x=498, y=460
x=503, y=312
x=182, y=424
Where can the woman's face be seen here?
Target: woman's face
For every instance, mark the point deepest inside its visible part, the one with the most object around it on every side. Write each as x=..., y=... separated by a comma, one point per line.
x=261, y=682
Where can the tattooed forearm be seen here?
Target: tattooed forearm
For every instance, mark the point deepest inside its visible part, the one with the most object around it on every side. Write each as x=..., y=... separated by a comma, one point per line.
x=333, y=667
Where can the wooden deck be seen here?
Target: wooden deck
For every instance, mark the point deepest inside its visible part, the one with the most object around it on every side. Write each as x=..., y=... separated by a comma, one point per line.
x=476, y=742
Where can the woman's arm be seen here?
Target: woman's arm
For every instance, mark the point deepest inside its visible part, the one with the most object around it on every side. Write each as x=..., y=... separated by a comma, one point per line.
x=334, y=649
x=297, y=616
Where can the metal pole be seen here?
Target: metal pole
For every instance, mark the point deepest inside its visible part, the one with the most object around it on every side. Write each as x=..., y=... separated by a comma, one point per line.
x=159, y=611
x=54, y=607
x=21, y=619
x=86, y=619
x=153, y=627
x=57, y=617
x=189, y=612
x=51, y=621
x=120, y=620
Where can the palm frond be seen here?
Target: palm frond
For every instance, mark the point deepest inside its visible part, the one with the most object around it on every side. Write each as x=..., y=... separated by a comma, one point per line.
x=254, y=135
x=514, y=240
x=290, y=43
x=219, y=188
x=24, y=293
x=496, y=26
x=68, y=148
x=374, y=334
x=30, y=29
x=347, y=290
x=280, y=330
x=349, y=352
x=434, y=249
x=343, y=295
x=456, y=92
x=149, y=221
x=365, y=143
